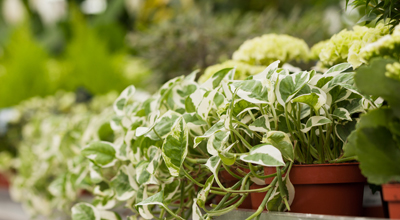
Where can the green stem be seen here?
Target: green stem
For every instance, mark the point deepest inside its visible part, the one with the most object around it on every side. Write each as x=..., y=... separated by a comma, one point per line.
x=196, y=161
x=230, y=172
x=242, y=139
x=274, y=114
x=264, y=202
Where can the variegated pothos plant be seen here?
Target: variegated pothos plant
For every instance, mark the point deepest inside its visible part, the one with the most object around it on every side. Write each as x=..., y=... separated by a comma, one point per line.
x=172, y=146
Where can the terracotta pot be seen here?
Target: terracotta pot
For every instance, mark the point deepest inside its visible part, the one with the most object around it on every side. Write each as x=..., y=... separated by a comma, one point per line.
x=4, y=183
x=391, y=194
x=228, y=180
x=330, y=189
x=256, y=198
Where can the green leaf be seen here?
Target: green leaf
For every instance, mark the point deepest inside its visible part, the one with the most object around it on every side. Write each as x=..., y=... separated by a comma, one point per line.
x=219, y=126
x=215, y=80
x=227, y=157
x=213, y=164
x=266, y=74
x=171, y=188
x=314, y=100
x=350, y=146
x=282, y=142
x=122, y=100
x=175, y=147
x=162, y=126
x=84, y=211
x=265, y=155
x=203, y=194
x=290, y=85
x=342, y=114
x=372, y=80
x=216, y=142
x=261, y=124
x=339, y=68
x=108, y=215
x=121, y=185
x=315, y=121
x=378, y=154
x=377, y=149
x=196, y=212
x=345, y=129
x=101, y=153
x=156, y=199
x=253, y=91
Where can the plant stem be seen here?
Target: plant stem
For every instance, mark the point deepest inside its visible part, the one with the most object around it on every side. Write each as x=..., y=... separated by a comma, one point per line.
x=242, y=139
x=264, y=202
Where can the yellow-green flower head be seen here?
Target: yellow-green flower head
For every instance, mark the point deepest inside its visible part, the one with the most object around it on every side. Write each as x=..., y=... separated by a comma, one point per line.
x=388, y=46
x=393, y=71
x=271, y=47
x=243, y=70
x=346, y=45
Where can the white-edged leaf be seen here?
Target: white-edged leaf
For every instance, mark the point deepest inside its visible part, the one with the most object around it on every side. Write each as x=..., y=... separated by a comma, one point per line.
x=219, y=126
x=196, y=212
x=121, y=101
x=213, y=164
x=175, y=147
x=290, y=85
x=85, y=211
x=281, y=141
x=203, y=194
x=315, y=121
x=314, y=100
x=261, y=124
x=341, y=113
x=108, y=215
x=101, y=153
x=265, y=155
x=121, y=185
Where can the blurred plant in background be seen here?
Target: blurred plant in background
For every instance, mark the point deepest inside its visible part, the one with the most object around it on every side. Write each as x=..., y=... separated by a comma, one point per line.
x=53, y=130
x=188, y=41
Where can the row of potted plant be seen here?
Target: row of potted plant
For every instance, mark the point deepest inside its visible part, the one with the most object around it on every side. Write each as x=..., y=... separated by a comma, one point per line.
x=202, y=150
x=175, y=148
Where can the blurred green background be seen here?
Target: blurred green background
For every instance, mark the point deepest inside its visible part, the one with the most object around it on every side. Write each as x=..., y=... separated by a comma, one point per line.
x=93, y=47
x=98, y=46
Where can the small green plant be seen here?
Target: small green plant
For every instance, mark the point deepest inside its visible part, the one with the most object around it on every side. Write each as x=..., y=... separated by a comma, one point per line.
x=376, y=141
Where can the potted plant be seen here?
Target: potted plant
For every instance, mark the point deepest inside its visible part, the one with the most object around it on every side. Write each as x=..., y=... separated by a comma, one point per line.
x=186, y=133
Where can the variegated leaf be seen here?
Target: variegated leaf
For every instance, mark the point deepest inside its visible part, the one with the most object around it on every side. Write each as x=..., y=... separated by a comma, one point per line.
x=315, y=121
x=175, y=147
x=101, y=153
x=265, y=155
x=290, y=85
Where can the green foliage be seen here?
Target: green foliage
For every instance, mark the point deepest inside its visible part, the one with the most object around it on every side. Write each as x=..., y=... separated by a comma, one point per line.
x=376, y=141
x=48, y=164
x=378, y=10
x=269, y=119
x=24, y=69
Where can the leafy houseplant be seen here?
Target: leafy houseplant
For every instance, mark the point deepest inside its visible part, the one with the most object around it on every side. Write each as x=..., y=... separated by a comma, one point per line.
x=375, y=142
x=187, y=134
